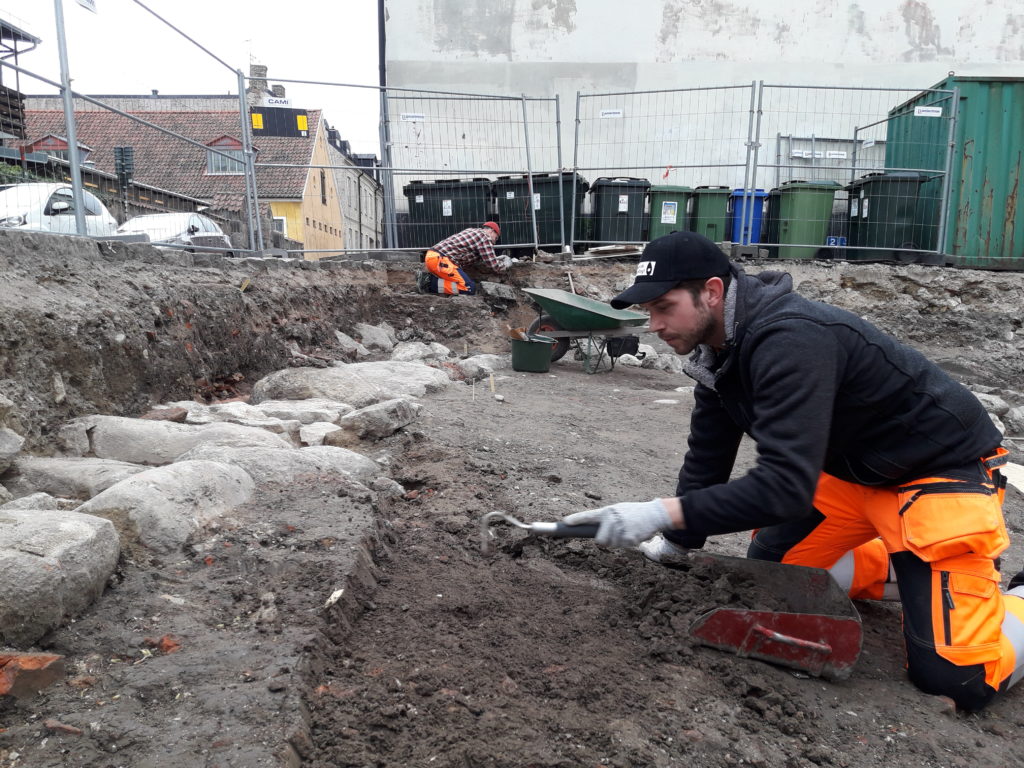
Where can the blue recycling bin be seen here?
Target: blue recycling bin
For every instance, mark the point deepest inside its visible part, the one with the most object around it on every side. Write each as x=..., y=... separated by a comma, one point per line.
x=741, y=233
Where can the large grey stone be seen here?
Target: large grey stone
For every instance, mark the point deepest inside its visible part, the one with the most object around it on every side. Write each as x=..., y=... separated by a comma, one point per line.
x=141, y=441
x=479, y=366
x=358, y=384
x=1014, y=421
x=72, y=477
x=380, y=337
x=378, y=420
x=10, y=446
x=993, y=403
x=53, y=565
x=314, y=434
x=270, y=465
x=41, y=501
x=305, y=411
x=161, y=507
x=350, y=347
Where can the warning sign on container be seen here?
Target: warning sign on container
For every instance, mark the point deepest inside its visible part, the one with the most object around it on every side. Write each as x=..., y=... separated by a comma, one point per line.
x=669, y=211
x=927, y=111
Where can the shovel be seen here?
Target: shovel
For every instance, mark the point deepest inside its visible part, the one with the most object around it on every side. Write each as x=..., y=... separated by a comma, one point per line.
x=812, y=625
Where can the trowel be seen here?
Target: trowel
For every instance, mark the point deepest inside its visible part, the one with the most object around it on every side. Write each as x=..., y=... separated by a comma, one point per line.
x=812, y=625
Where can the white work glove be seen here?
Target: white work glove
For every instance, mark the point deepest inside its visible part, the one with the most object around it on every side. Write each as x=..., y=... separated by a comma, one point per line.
x=626, y=524
x=505, y=262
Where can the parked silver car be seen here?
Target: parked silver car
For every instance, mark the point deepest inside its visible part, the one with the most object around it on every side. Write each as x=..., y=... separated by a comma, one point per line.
x=182, y=229
x=51, y=208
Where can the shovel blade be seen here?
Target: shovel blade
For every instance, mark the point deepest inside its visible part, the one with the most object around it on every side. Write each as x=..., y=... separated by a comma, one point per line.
x=811, y=624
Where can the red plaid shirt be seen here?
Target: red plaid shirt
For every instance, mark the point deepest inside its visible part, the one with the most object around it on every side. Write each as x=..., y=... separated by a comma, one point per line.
x=470, y=246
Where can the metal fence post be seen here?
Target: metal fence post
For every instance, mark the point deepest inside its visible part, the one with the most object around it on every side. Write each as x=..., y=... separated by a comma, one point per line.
x=558, y=162
x=529, y=175
x=69, y=120
x=575, y=170
x=252, y=210
x=944, y=212
x=754, y=200
x=387, y=173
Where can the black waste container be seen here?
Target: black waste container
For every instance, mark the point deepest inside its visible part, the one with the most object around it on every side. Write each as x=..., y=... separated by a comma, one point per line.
x=883, y=214
x=443, y=207
x=553, y=202
x=618, y=209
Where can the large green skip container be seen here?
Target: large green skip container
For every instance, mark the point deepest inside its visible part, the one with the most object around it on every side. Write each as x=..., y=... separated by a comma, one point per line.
x=800, y=212
x=711, y=212
x=883, y=216
x=553, y=202
x=438, y=209
x=618, y=209
x=669, y=210
x=983, y=223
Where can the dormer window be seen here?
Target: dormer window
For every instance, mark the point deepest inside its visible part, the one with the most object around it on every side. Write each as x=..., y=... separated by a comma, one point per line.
x=227, y=159
x=57, y=146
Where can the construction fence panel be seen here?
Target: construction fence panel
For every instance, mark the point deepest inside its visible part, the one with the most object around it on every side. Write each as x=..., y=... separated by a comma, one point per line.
x=456, y=160
x=142, y=163
x=659, y=161
x=852, y=173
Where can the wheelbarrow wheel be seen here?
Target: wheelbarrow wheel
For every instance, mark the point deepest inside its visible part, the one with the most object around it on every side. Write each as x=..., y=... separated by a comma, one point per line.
x=547, y=323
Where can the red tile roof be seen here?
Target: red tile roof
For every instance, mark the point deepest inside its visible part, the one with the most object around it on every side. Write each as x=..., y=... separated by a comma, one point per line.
x=169, y=163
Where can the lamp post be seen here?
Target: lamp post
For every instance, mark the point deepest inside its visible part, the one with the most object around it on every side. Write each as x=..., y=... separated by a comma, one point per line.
x=69, y=120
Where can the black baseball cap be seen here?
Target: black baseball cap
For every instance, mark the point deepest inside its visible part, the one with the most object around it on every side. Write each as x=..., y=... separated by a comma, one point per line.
x=668, y=261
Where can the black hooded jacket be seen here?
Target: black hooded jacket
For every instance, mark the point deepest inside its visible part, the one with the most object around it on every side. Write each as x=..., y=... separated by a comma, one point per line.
x=818, y=389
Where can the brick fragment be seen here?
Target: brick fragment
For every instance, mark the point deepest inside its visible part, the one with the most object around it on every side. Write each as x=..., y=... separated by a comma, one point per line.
x=25, y=674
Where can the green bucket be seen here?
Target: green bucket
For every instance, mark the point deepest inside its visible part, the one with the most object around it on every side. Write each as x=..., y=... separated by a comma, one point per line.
x=532, y=355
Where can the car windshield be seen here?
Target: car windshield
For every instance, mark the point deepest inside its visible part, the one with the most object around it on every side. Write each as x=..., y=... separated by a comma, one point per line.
x=162, y=225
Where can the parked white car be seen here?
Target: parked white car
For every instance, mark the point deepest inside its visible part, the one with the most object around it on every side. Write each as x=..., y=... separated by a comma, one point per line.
x=188, y=229
x=51, y=208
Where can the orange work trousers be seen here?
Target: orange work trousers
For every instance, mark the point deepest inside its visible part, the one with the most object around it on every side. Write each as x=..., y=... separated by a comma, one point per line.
x=451, y=279
x=937, y=538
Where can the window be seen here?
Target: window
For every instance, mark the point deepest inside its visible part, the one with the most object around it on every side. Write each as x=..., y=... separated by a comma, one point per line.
x=218, y=164
x=323, y=188
x=280, y=224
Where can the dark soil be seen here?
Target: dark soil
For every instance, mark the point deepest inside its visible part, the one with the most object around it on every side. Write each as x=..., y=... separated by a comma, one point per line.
x=561, y=653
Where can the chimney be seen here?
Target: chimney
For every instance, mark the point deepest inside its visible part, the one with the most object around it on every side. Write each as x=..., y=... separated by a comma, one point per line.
x=155, y=92
x=258, y=77
x=278, y=91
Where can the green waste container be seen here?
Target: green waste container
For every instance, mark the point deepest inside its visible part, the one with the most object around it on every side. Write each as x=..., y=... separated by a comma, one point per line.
x=770, y=226
x=669, y=210
x=802, y=213
x=618, y=209
x=512, y=202
x=532, y=355
x=710, y=215
x=883, y=214
x=443, y=207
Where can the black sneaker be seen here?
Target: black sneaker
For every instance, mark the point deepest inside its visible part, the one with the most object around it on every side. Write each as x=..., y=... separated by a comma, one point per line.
x=423, y=282
x=1016, y=581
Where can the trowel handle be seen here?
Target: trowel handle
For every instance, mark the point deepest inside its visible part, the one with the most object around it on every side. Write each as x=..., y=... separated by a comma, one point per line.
x=563, y=531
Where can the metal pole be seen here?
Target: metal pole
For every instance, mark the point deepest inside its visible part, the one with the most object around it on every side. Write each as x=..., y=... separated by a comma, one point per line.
x=944, y=211
x=575, y=171
x=390, y=216
x=69, y=121
x=753, y=168
x=744, y=239
x=561, y=192
x=251, y=199
x=529, y=176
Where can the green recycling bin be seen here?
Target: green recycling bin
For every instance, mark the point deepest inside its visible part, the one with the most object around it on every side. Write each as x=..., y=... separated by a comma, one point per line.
x=618, y=209
x=553, y=213
x=443, y=207
x=710, y=215
x=883, y=215
x=801, y=215
x=669, y=210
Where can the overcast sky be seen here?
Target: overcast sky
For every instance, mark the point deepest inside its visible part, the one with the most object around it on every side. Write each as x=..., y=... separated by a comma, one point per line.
x=124, y=49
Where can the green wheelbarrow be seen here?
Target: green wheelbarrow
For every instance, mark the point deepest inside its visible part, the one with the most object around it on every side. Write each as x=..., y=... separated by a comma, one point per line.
x=594, y=330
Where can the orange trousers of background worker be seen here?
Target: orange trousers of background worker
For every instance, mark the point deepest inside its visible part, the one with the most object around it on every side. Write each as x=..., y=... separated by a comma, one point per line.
x=451, y=279
x=934, y=542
